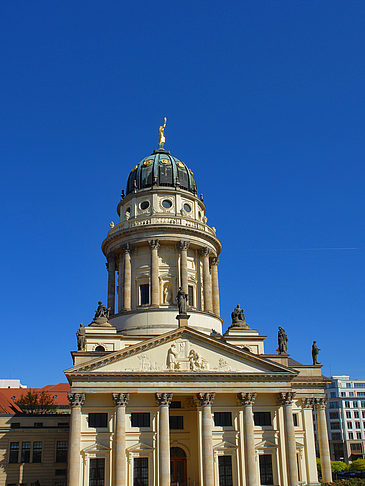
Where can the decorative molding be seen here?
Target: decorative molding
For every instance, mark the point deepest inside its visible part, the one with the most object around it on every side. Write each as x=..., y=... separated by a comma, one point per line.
x=286, y=398
x=214, y=261
x=308, y=402
x=205, y=251
x=76, y=399
x=247, y=398
x=164, y=398
x=183, y=245
x=120, y=399
x=321, y=403
x=126, y=248
x=154, y=244
x=205, y=399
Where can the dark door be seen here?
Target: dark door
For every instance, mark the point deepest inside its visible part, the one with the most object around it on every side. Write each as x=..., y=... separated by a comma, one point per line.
x=178, y=467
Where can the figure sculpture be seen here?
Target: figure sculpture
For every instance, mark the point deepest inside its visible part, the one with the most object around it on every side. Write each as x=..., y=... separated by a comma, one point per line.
x=161, y=135
x=282, y=341
x=181, y=299
x=237, y=315
x=102, y=311
x=315, y=352
x=172, y=362
x=81, y=341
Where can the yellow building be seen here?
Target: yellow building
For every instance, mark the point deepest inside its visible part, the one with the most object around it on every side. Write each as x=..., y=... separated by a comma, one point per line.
x=159, y=396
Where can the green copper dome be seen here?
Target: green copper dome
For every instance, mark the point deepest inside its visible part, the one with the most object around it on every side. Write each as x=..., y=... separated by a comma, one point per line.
x=161, y=169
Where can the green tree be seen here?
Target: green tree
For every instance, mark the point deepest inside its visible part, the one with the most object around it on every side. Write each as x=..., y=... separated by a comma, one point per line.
x=36, y=402
x=338, y=466
x=358, y=465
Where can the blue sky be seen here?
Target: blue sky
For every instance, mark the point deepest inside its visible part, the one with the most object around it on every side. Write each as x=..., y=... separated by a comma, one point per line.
x=265, y=103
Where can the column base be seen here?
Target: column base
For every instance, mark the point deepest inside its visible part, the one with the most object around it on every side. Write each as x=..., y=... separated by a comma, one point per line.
x=183, y=320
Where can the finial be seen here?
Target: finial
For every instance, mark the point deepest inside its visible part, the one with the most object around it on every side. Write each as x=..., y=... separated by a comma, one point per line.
x=111, y=224
x=161, y=135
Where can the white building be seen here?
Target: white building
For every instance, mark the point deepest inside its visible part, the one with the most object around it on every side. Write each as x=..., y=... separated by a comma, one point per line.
x=346, y=417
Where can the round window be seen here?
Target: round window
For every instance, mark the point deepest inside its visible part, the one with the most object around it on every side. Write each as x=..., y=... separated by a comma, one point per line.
x=145, y=205
x=187, y=207
x=166, y=203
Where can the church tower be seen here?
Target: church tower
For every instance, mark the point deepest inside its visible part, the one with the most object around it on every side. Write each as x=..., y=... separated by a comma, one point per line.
x=162, y=242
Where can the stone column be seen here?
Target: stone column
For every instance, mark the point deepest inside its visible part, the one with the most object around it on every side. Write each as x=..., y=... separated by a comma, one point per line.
x=127, y=280
x=183, y=247
x=247, y=400
x=309, y=441
x=207, y=285
x=286, y=400
x=164, y=400
x=155, y=285
x=111, y=282
x=215, y=285
x=76, y=401
x=324, y=449
x=206, y=400
x=120, y=463
x=120, y=283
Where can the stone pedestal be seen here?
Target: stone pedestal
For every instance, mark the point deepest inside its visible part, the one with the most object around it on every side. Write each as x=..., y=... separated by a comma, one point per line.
x=183, y=320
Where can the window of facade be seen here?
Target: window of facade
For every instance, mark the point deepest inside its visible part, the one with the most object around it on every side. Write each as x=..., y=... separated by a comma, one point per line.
x=61, y=451
x=97, y=472
x=334, y=405
x=362, y=404
x=266, y=474
x=363, y=414
x=359, y=385
x=356, y=447
x=191, y=295
x=351, y=394
x=225, y=470
x=348, y=385
x=14, y=452
x=333, y=394
x=356, y=414
x=357, y=425
x=360, y=394
x=343, y=394
x=25, y=455
x=347, y=404
x=358, y=435
x=335, y=425
x=348, y=414
x=176, y=422
x=37, y=452
x=100, y=348
x=295, y=419
x=223, y=419
x=336, y=436
x=262, y=418
x=140, y=471
x=98, y=420
x=355, y=404
x=334, y=415
x=140, y=419
x=144, y=294
x=351, y=435
x=349, y=425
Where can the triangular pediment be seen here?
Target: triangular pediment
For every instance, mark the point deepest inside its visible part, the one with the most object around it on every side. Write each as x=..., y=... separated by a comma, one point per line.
x=181, y=351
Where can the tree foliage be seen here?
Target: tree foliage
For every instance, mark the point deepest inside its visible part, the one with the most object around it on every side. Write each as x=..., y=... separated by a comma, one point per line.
x=358, y=465
x=338, y=466
x=37, y=402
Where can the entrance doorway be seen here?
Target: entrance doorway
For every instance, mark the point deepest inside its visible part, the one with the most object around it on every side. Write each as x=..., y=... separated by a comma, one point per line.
x=178, y=467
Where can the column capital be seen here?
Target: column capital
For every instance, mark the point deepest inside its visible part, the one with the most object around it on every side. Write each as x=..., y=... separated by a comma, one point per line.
x=126, y=248
x=286, y=398
x=164, y=398
x=321, y=403
x=120, y=399
x=246, y=398
x=205, y=251
x=154, y=244
x=76, y=399
x=214, y=261
x=308, y=402
x=205, y=399
x=183, y=245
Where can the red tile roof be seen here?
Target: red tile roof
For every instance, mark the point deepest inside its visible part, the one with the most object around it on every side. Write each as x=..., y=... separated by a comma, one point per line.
x=7, y=400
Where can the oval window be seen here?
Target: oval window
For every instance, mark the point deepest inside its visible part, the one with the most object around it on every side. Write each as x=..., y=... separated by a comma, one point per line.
x=187, y=207
x=166, y=203
x=145, y=205
x=99, y=348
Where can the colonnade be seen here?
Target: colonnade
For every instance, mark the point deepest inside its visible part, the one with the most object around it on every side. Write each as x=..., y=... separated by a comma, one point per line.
x=121, y=263
x=205, y=401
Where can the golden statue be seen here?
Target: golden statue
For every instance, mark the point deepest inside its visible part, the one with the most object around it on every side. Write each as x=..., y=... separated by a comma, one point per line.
x=161, y=134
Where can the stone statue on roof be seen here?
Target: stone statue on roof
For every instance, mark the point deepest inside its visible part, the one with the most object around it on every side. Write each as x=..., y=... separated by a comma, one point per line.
x=282, y=341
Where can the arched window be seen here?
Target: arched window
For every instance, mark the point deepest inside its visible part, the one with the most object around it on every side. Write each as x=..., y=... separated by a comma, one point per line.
x=99, y=348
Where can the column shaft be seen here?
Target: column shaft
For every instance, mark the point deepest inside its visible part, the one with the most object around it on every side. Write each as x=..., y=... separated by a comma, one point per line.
x=183, y=246
x=127, y=284
x=290, y=443
x=111, y=283
x=164, y=400
x=215, y=286
x=120, y=464
x=324, y=449
x=155, y=290
x=73, y=473
x=208, y=305
x=206, y=400
x=120, y=284
x=247, y=400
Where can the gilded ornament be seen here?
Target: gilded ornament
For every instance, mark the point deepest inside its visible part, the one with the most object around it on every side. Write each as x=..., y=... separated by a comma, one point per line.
x=161, y=135
x=135, y=168
x=147, y=162
x=165, y=161
x=180, y=164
